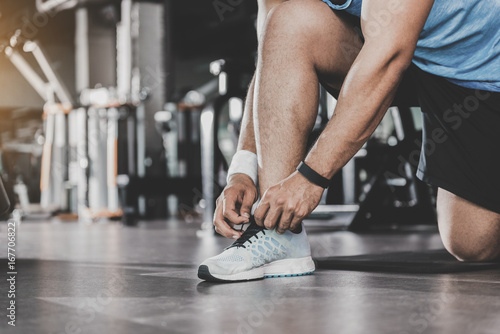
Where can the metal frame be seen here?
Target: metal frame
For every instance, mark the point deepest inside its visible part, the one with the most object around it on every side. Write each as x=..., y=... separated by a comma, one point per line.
x=45, y=6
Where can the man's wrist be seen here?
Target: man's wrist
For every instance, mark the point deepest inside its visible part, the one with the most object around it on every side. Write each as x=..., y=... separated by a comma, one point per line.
x=244, y=162
x=313, y=177
x=239, y=177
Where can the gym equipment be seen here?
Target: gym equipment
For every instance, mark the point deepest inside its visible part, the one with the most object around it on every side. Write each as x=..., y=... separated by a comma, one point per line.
x=181, y=150
x=428, y=262
x=4, y=199
x=20, y=156
x=54, y=172
x=382, y=183
x=54, y=159
x=45, y=6
x=230, y=75
x=393, y=196
x=92, y=139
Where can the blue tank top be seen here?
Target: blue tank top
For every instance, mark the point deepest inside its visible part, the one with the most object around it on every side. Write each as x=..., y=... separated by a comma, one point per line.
x=460, y=41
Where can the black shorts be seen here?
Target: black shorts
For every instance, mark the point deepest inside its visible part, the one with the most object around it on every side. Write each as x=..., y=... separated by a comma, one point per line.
x=461, y=139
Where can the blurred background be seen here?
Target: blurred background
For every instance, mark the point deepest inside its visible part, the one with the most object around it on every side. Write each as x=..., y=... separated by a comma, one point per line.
x=78, y=76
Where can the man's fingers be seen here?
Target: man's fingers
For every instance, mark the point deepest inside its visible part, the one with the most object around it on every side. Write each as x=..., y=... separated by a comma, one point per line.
x=222, y=227
x=229, y=211
x=296, y=221
x=272, y=217
x=260, y=212
x=285, y=221
x=246, y=205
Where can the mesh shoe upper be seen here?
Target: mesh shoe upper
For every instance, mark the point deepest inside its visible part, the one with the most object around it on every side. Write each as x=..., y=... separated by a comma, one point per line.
x=256, y=247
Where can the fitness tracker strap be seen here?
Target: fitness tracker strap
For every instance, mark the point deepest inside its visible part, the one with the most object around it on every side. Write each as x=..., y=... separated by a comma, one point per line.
x=312, y=176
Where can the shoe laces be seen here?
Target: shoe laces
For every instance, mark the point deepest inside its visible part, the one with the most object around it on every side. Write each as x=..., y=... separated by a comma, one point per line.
x=250, y=232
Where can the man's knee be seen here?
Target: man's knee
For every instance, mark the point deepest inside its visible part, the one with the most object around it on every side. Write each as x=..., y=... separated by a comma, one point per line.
x=470, y=246
x=464, y=251
x=468, y=231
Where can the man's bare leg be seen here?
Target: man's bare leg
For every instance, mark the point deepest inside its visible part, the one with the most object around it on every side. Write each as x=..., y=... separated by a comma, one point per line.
x=469, y=232
x=303, y=42
x=236, y=201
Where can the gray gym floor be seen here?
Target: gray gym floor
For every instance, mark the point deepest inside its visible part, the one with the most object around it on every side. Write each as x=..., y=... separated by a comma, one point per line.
x=104, y=278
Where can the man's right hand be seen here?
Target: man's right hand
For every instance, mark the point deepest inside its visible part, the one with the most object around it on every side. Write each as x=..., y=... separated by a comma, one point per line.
x=234, y=205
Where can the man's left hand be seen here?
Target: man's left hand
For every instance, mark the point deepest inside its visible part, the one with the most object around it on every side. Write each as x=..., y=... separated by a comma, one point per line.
x=287, y=203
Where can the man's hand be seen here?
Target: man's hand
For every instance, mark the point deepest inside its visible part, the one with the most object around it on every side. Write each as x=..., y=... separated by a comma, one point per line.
x=286, y=204
x=234, y=205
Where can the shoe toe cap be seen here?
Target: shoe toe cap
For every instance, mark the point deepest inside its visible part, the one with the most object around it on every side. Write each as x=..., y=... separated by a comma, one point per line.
x=223, y=268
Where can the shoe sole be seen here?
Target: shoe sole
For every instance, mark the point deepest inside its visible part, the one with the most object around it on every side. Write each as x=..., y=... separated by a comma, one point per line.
x=281, y=268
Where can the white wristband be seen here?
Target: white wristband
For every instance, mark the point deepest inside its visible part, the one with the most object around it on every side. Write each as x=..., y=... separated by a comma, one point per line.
x=244, y=162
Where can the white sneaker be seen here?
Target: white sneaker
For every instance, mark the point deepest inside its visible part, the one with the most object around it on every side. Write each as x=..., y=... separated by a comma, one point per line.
x=260, y=253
